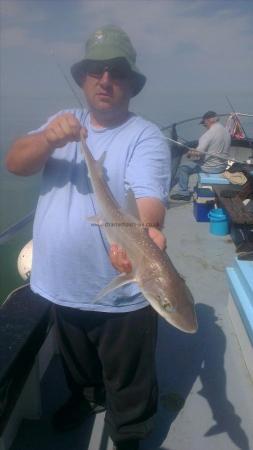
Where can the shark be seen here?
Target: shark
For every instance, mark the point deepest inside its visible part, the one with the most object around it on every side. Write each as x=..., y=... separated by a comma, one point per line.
x=152, y=269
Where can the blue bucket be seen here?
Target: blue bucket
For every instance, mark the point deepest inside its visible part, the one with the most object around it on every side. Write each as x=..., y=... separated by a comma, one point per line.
x=218, y=222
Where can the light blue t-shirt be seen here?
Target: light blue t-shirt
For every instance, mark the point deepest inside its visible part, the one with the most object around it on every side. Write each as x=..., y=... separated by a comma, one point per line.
x=70, y=260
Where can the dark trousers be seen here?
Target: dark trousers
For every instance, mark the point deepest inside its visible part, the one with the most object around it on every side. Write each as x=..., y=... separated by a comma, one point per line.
x=112, y=353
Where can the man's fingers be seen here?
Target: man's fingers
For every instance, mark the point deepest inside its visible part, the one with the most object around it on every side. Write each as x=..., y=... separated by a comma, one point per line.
x=118, y=255
x=63, y=129
x=158, y=237
x=70, y=127
x=119, y=259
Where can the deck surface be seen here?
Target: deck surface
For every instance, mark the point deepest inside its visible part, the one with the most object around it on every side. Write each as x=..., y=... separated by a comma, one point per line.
x=206, y=369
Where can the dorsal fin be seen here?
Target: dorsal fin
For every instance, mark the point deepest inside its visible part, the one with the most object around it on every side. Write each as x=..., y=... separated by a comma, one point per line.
x=101, y=160
x=100, y=164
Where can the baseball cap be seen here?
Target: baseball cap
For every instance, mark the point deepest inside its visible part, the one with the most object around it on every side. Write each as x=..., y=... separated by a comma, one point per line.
x=208, y=115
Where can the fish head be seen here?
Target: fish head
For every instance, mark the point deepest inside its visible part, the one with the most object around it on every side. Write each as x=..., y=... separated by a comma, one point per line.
x=173, y=301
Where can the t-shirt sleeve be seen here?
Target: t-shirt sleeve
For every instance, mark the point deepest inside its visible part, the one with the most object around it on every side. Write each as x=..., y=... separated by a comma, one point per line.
x=204, y=142
x=148, y=171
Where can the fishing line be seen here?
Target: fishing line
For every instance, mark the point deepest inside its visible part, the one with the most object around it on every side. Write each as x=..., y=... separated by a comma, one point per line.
x=84, y=116
x=52, y=53
x=88, y=182
x=203, y=153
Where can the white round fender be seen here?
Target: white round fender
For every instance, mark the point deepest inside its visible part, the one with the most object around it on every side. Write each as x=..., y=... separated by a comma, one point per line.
x=24, y=262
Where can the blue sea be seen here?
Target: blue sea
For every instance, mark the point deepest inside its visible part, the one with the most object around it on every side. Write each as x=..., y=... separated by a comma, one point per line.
x=18, y=195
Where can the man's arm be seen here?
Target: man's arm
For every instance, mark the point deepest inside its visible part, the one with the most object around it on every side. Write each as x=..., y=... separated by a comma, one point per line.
x=148, y=176
x=151, y=211
x=204, y=142
x=202, y=148
x=28, y=154
x=152, y=214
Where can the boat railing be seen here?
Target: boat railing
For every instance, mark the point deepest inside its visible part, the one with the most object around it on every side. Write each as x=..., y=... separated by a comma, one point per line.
x=26, y=348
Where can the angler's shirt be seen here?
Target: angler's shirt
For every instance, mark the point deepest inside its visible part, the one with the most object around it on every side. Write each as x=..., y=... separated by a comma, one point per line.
x=70, y=259
x=216, y=140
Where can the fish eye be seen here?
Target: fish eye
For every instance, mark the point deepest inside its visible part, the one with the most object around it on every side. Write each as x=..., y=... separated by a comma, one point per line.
x=169, y=308
x=167, y=305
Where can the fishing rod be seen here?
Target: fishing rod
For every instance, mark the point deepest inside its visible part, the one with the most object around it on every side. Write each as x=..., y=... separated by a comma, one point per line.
x=203, y=153
x=7, y=234
x=52, y=53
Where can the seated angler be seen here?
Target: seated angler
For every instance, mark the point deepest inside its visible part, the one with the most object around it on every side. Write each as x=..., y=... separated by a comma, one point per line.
x=209, y=156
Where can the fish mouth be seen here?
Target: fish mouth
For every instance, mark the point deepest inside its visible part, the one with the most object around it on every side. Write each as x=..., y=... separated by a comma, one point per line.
x=192, y=330
x=187, y=326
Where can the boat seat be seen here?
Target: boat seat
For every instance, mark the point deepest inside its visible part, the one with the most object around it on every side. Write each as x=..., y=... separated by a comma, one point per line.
x=212, y=178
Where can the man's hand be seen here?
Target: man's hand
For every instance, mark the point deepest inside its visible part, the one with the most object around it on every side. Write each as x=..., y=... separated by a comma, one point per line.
x=119, y=259
x=61, y=130
x=29, y=154
x=193, y=154
x=158, y=237
x=118, y=255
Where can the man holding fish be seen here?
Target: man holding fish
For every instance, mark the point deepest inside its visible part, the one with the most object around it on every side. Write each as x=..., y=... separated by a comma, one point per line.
x=106, y=327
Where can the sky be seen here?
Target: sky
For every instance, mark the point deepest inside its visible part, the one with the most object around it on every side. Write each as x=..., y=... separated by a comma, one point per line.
x=194, y=54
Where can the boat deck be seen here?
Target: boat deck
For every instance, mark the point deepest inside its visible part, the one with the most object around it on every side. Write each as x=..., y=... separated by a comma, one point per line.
x=207, y=369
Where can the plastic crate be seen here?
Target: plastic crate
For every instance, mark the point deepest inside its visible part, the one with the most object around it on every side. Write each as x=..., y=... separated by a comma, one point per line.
x=201, y=210
x=203, y=195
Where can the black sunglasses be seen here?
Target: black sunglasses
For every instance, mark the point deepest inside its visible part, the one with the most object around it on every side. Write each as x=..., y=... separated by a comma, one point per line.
x=117, y=70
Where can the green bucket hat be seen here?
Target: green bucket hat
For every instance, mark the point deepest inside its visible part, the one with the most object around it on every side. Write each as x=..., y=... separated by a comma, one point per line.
x=108, y=43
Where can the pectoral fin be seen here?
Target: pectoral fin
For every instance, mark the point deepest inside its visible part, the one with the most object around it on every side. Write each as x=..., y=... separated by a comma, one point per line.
x=121, y=280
